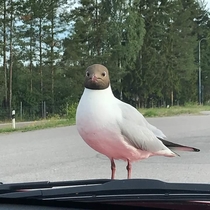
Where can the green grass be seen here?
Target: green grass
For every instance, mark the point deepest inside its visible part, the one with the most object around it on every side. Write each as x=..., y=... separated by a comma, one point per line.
x=175, y=110
x=151, y=112
x=49, y=124
x=7, y=130
x=37, y=125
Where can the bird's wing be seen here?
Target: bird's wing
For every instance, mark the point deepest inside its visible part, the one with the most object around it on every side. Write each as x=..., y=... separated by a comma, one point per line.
x=138, y=125
x=132, y=114
x=174, y=146
x=142, y=138
x=156, y=131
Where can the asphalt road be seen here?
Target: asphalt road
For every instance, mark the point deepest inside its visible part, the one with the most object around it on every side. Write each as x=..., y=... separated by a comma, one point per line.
x=60, y=154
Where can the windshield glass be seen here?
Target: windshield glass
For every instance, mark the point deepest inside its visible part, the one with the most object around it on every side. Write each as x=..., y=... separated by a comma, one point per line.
x=155, y=58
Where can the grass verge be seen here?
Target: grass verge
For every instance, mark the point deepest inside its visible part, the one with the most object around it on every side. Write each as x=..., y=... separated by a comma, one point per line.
x=37, y=125
x=151, y=112
x=175, y=110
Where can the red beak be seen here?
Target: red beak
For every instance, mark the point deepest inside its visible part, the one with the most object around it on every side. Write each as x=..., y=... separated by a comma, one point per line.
x=94, y=78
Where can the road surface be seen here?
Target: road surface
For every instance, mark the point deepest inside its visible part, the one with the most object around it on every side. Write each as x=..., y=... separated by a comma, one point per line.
x=60, y=154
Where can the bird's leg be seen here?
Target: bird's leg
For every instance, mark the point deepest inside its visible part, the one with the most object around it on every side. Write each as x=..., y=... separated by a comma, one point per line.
x=129, y=167
x=113, y=167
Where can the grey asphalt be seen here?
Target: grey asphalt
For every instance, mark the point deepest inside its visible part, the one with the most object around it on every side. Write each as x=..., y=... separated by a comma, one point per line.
x=60, y=154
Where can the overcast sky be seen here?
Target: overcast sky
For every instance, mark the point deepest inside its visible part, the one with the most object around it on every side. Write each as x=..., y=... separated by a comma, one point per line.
x=208, y=4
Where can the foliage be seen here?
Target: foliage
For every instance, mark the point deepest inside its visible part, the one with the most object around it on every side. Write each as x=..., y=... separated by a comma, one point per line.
x=37, y=125
x=174, y=110
x=71, y=111
x=149, y=47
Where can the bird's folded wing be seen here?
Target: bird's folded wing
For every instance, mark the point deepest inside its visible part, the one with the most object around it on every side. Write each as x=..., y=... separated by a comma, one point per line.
x=140, y=137
x=175, y=146
x=132, y=114
x=158, y=133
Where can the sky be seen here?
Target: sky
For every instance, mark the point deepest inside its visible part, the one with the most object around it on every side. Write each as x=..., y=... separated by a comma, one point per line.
x=208, y=4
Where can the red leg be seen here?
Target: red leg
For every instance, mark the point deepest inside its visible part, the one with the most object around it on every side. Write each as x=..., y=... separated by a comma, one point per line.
x=113, y=167
x=129, y=167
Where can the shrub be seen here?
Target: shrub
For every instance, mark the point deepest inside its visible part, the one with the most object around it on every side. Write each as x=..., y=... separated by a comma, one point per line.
x=71, y=111
x=150, y=113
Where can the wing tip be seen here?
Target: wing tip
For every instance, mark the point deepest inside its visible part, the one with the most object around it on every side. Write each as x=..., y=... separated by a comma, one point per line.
x=173, y=146
x=189, y=149
x=195, y=149
x=185, y=148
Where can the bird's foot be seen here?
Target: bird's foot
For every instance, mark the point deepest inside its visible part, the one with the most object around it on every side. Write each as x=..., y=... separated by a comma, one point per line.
x=129, y=167
x=113, y=168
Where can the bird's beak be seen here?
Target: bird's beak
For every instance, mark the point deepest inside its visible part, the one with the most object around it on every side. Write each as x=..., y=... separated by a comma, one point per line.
x=94, y=78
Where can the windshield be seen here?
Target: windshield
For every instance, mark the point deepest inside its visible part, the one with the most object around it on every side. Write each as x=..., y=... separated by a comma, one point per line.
x=155, y=58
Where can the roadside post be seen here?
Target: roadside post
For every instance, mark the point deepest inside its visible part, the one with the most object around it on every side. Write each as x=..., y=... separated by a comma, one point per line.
x=13, y=119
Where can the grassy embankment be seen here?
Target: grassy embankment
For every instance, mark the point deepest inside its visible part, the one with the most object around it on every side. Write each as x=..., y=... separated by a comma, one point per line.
x=58, y=122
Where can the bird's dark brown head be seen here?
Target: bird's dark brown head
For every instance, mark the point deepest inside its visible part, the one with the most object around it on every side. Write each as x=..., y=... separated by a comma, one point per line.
x=97, y=77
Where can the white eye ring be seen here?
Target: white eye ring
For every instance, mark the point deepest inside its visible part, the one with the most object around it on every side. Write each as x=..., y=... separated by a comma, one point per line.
x=87, y=74
x=103, y=74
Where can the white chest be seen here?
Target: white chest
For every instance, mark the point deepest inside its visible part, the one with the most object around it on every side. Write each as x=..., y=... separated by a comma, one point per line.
x=96, y=113
x=96, y=120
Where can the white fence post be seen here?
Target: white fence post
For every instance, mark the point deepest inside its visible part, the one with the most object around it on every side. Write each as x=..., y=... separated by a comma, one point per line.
x=13, y=119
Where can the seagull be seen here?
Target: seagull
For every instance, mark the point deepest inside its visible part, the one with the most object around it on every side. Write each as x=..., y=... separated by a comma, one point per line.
x=117, y=129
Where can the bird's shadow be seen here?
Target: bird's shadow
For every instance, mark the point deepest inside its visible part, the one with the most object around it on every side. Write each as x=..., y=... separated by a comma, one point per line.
x=101, y=156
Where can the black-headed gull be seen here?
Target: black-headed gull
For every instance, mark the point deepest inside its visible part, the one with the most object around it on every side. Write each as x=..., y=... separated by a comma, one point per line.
x=116, y=129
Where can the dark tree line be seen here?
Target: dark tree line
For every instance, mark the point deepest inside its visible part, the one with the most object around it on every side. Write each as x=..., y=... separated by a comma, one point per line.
x=150, y=48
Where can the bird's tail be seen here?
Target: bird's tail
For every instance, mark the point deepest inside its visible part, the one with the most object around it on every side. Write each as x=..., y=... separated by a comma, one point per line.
x=174, y=146
x=167, y=153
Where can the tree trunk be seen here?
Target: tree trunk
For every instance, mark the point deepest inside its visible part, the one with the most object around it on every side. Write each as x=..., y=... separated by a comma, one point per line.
x=11, y=58
x=52, y=57
x=96, y=29
x=40, y=56
x=4, y=56
x=31, y=65
x=172, y=98
x=121, y=89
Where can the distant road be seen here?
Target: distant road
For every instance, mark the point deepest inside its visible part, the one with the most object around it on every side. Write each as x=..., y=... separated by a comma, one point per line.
x=60, y=154
x=24, y=124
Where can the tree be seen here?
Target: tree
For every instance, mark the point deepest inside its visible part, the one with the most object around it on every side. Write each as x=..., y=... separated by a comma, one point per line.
x=149, y=47
x=4, y=24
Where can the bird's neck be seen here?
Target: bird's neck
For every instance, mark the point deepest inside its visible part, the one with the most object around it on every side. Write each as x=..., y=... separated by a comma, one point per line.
x=107, y=91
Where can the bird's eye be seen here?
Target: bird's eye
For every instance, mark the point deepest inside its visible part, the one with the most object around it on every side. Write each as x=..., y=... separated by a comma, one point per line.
x=87, y=74
x=103, y=74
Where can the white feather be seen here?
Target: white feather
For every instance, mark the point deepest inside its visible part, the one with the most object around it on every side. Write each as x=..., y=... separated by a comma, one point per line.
x=117, y=129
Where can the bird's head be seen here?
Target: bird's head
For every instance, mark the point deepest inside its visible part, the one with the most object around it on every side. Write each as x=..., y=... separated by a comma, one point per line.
x=97, y=77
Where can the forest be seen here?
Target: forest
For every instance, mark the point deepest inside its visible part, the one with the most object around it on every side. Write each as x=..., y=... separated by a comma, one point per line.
x=152, y=48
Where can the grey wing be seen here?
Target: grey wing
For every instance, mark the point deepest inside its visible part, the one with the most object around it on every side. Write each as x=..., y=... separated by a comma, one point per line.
x=132, y=114
x=149, y=136
x=157, y=131
x=141, y=137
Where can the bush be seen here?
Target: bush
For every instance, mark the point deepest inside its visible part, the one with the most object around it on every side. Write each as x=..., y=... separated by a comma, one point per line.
x=54, y=117
x=4, y=115
x=150, y=113
x=191, y=104
x=71, y=111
